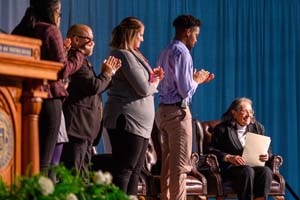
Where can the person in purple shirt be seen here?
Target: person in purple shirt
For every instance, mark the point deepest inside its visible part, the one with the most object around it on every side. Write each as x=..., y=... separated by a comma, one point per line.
x=173, y=117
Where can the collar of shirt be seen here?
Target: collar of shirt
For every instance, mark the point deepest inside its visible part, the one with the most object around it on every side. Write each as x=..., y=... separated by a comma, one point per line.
x=144, y=62
x=241, y=132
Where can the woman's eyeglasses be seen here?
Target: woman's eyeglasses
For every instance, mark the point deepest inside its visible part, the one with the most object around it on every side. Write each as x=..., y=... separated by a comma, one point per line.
x=249, y=112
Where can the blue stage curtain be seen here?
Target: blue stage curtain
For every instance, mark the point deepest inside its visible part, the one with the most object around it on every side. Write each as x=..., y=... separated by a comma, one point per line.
x=11, y=13
x=252, y=46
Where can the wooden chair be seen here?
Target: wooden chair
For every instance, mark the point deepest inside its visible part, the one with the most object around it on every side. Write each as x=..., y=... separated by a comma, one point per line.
x=196, y=186
x=149, y=184
x=208, y=165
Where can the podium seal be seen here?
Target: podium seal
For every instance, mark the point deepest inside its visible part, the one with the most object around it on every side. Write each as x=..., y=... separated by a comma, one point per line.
x=6, y=139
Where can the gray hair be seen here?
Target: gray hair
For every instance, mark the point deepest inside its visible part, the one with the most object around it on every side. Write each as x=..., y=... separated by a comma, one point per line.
x=235, y=105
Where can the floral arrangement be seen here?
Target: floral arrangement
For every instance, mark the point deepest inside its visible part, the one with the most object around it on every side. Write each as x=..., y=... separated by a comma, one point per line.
x=71, y=186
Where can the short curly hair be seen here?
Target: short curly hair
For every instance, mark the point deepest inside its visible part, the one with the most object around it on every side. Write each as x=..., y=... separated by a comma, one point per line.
x=186, y=21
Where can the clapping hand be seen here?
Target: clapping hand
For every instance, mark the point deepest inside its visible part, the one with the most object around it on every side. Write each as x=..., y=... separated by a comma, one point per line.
x=111, y=65
x=202, y=76
x=67, y=44
x=209, y=78
x=159, y=72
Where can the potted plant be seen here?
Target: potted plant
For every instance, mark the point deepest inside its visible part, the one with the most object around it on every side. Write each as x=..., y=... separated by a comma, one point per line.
x=70, y=186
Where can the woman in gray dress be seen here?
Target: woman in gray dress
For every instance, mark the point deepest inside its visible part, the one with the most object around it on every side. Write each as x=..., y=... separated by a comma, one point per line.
x=129, y=110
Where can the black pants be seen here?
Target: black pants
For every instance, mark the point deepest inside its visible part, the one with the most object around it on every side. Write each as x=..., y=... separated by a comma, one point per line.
x=251, y=182
x=128, y=152
x=49, y=123
x=77, y=155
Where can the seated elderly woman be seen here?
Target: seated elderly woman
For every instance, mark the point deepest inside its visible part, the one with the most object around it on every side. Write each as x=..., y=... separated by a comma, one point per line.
x=228, y=143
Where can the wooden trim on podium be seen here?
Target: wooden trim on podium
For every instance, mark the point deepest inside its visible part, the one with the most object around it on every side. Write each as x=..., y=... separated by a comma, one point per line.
x=26, y=67
x=20, y=106
x=13, y=44
x=20, y=41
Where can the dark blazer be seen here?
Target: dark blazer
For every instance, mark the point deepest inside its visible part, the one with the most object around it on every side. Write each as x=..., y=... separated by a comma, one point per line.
x=83, y=107
x=225, y=140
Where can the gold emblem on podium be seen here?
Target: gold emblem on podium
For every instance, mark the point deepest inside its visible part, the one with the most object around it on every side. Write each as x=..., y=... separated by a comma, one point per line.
x=6, y=139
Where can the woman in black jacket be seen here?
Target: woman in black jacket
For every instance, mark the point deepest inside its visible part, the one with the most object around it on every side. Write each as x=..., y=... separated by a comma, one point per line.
x=228, y=143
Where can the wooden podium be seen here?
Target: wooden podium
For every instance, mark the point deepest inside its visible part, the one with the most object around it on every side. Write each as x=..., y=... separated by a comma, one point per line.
x=21, y=75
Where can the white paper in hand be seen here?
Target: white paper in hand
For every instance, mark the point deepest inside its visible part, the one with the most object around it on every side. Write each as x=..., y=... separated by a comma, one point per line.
x=255, y=146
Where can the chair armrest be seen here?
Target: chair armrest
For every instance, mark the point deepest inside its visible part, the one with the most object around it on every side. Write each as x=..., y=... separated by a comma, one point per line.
x=208, y=162
x=212, y=161
x=145, y=172
x=279, y=178
x=194, y=172
x=195, y=159
x=275, y=163
x=208, y=166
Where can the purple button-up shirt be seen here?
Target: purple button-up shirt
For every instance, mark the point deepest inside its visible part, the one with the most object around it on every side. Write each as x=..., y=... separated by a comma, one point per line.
x=178, y=83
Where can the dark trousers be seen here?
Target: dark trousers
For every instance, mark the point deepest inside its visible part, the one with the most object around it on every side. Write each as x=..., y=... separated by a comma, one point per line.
x=55, y=161
x=251, y=182
x=128, y=152
x=49, y=123
x=57, y=154
x=77, y=155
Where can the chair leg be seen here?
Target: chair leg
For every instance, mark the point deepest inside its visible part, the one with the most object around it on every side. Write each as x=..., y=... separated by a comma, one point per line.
x=141, y=198
x=202, y=197
x=278, y=197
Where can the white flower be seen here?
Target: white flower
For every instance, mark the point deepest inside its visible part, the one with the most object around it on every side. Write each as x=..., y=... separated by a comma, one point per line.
x=46, y=185
x=108, y=178
x=71, y=196
x=98, y=177
x=133, y=197
x=102, y=178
